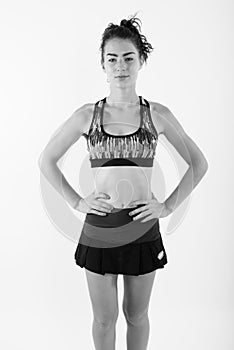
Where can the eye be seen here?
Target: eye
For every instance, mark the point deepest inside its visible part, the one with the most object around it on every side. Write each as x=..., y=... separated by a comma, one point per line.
x=128, y=58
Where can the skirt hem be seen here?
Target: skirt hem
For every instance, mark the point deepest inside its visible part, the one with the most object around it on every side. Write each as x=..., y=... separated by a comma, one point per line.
x=135, y=260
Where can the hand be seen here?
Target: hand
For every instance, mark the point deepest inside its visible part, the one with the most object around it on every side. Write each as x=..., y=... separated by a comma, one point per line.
x=91, y=204
x=152, y=210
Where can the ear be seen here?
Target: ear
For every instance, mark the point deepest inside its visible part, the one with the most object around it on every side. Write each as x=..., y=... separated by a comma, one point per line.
x=141, y=63
x=103, y=68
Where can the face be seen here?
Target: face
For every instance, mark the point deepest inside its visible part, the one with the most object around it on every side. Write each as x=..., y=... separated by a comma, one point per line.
x=121, y=58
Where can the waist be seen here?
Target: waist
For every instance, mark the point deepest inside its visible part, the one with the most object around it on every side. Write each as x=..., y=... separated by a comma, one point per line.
x=137, y=162
x=118, y=217
x=118, y=228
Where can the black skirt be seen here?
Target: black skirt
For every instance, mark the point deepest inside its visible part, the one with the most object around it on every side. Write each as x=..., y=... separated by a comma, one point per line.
x=117, y=244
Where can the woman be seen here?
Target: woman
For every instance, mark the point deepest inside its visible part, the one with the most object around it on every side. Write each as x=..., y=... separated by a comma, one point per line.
x=121, y=232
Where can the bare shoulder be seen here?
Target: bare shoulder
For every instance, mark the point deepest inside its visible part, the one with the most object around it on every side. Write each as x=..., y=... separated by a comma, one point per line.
x=68, y=133
x=83, y=116
x=163, y=117
x=157, y=110
x=172, y=129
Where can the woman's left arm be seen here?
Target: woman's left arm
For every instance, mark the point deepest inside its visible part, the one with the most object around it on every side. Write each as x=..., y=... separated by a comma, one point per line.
x=188, y=150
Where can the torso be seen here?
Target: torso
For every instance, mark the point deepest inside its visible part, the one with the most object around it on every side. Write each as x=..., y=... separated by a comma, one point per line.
x=123, y=183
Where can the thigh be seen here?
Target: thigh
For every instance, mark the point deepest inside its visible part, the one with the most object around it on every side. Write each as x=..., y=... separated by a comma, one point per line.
x=104, y=296
x=137, y=291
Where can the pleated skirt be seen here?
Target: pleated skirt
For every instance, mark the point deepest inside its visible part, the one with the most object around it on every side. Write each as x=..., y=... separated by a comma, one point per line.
x=117, y=244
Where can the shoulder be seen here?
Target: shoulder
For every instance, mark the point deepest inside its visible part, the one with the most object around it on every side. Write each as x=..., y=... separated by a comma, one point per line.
x=84, y=115
x=174, y=132
x=83, y=111
x=164, y=119
x=157, y=111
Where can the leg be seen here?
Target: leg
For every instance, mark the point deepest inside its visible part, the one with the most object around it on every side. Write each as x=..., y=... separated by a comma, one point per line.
x=137, y=291
x=104, y=299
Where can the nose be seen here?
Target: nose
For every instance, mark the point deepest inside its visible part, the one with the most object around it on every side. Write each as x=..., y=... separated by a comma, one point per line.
x=121, y=71
x=120, y=66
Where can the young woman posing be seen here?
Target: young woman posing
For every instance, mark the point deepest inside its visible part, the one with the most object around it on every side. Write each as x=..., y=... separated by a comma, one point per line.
x=122, y=132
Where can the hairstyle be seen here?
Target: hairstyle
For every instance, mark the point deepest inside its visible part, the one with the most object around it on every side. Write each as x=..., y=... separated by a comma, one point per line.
x=128, y=29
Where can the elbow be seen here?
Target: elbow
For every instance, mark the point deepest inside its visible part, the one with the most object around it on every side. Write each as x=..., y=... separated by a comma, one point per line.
x=41, y=160
x=200, y=165
x=204, y=164
x=44, y=160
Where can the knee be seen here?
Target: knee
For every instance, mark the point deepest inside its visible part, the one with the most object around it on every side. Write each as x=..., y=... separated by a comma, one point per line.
x=106, y=321
x=135, y=318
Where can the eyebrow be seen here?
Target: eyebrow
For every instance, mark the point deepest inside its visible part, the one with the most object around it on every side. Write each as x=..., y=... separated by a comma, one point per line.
x=125, y=54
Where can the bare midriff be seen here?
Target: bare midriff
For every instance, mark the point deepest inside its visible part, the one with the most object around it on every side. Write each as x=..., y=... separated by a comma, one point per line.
x=123, y=184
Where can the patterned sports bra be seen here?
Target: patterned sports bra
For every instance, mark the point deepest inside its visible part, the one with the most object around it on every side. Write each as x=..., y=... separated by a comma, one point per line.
x=135, y=149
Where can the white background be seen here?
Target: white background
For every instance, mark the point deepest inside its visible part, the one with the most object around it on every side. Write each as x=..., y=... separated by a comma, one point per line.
x=50, y=66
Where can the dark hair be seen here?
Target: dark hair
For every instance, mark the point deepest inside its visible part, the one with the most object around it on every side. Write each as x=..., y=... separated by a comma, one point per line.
x=127, y=30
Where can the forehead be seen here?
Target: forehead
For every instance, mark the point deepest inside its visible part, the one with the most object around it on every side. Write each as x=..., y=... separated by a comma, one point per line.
x=119, y=46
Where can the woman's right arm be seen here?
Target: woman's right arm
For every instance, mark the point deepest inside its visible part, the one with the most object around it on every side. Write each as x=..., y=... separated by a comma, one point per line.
x=68, y=134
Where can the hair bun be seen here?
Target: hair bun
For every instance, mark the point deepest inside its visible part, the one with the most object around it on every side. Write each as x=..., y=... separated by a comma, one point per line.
x=124, y=22
x=131, y=24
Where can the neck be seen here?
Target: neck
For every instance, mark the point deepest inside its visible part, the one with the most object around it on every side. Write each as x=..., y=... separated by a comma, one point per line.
x=121, y=98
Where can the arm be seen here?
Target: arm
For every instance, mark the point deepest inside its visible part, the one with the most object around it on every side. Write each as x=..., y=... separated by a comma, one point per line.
x=189, y=151
x=67, y=135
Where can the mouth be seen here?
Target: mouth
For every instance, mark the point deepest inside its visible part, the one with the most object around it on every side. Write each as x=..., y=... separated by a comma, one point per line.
x=122, y=76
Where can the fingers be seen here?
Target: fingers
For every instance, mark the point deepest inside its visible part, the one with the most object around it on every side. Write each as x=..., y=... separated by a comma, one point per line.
x=93, y=211
x=138, y=210
x=142, y=214
x=139, y=202
x=102, y=195
x=101, y=204
x=102, y=208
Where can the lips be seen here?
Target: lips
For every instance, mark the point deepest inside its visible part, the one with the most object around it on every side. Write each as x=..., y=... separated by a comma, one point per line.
x=122, y=76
